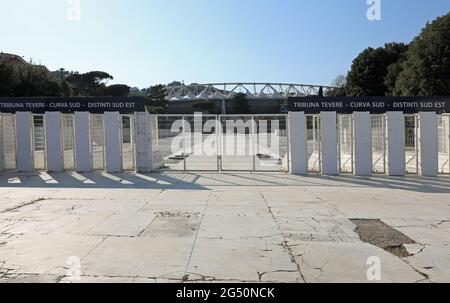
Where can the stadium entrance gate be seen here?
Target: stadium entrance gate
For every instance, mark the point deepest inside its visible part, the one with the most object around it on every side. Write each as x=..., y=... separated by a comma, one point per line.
x=250, y=143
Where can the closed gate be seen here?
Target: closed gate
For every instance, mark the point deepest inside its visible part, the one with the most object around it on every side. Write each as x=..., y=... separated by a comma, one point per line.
x=221, y=142
x=443, y=122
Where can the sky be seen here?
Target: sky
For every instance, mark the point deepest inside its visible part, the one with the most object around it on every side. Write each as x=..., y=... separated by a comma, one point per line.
x=147, y=42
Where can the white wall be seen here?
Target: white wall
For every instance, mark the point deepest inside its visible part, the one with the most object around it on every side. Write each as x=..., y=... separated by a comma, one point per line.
x=363, y=143
x=298, y=147
x=329, y=143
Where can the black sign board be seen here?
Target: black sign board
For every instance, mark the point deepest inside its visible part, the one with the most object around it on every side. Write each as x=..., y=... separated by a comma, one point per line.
x=374, y=105
x=70, y=105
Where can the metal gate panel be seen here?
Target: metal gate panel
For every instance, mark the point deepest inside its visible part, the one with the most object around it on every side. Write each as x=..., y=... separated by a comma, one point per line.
x=68, y=141
x=8, y=144
x=97, y=141
x=38, y=142
x=378, y=144
x=443, y=122
x=169, y=153
x=313, y=143
x=272, y=143
x=238, y=143
x=411, y=144
x=201, y=142
x=345, y=139
x=127, y=141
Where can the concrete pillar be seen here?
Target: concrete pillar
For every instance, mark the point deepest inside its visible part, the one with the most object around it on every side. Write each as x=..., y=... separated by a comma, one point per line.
x=83, y=158
x=113, y=146
x=328, y=131
x=143, y=143
x=53, y=142
x=396, y=143
x=428, y=135
x=363, y=143
x=298, y=147
x=23, y=142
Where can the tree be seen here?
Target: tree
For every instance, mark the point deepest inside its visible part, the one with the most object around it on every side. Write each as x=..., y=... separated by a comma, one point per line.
x=240, y=104
x=204, y=106
x=8, y=79
x=156, y=96
x=89, y=84
x=66, y=89
x=36, y=81
x=426, y=70
x=370, y=68
x=117, y=90
x=320, y=93
x=339, y=91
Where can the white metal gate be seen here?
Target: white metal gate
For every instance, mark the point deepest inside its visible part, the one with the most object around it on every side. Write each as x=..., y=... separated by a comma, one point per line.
x=411, y=144
x=443, y=125
x=222, y=142
x=313, y=143
x=345, y=130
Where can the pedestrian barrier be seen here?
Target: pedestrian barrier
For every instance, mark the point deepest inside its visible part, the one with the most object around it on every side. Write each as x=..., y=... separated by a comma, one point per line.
x=328, y=143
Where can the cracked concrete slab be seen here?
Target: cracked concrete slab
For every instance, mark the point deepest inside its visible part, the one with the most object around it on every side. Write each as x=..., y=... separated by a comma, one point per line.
x=347, y=263
x=139, y=257
x=174, y=227
x=251, y=260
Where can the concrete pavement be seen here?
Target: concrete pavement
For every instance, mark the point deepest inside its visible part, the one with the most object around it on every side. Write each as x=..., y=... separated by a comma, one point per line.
x=175, y=227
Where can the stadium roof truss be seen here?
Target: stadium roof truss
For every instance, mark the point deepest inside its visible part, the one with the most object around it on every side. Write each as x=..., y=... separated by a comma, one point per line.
x=223, y=91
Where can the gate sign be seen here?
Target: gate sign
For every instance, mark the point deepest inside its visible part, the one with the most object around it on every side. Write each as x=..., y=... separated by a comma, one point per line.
x=93, y=105
x=374, y=105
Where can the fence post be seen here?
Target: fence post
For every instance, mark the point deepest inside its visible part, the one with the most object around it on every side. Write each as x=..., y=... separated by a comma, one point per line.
x=428, y=144
x=23, y=142
x=53, y=142
x=396, y=143
x=298, y=143
x=113, y=146
x=329, y=143
x=143, y=143
x=363, y=144
x=83, y=157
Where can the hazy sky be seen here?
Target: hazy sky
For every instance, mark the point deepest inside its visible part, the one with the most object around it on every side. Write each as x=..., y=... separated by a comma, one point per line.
x=144, y=42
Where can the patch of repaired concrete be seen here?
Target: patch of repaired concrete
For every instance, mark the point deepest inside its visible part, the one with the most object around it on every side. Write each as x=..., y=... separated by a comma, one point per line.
x=170, y=224
x=378, y=233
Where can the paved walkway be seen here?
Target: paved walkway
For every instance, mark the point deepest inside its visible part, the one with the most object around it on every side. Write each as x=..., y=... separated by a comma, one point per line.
x=217, y=227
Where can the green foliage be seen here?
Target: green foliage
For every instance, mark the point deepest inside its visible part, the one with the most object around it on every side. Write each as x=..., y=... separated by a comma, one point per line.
x=8, y=79
x=89, y=84
x=117, y=90
x=320, y=94
x=204, y=106
x=426, y=70
x=240, y=104
x=370, y=69
x=156, y=96
x=67, y=91
x=36, y=81
x=156, y=110
x=340, y=82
